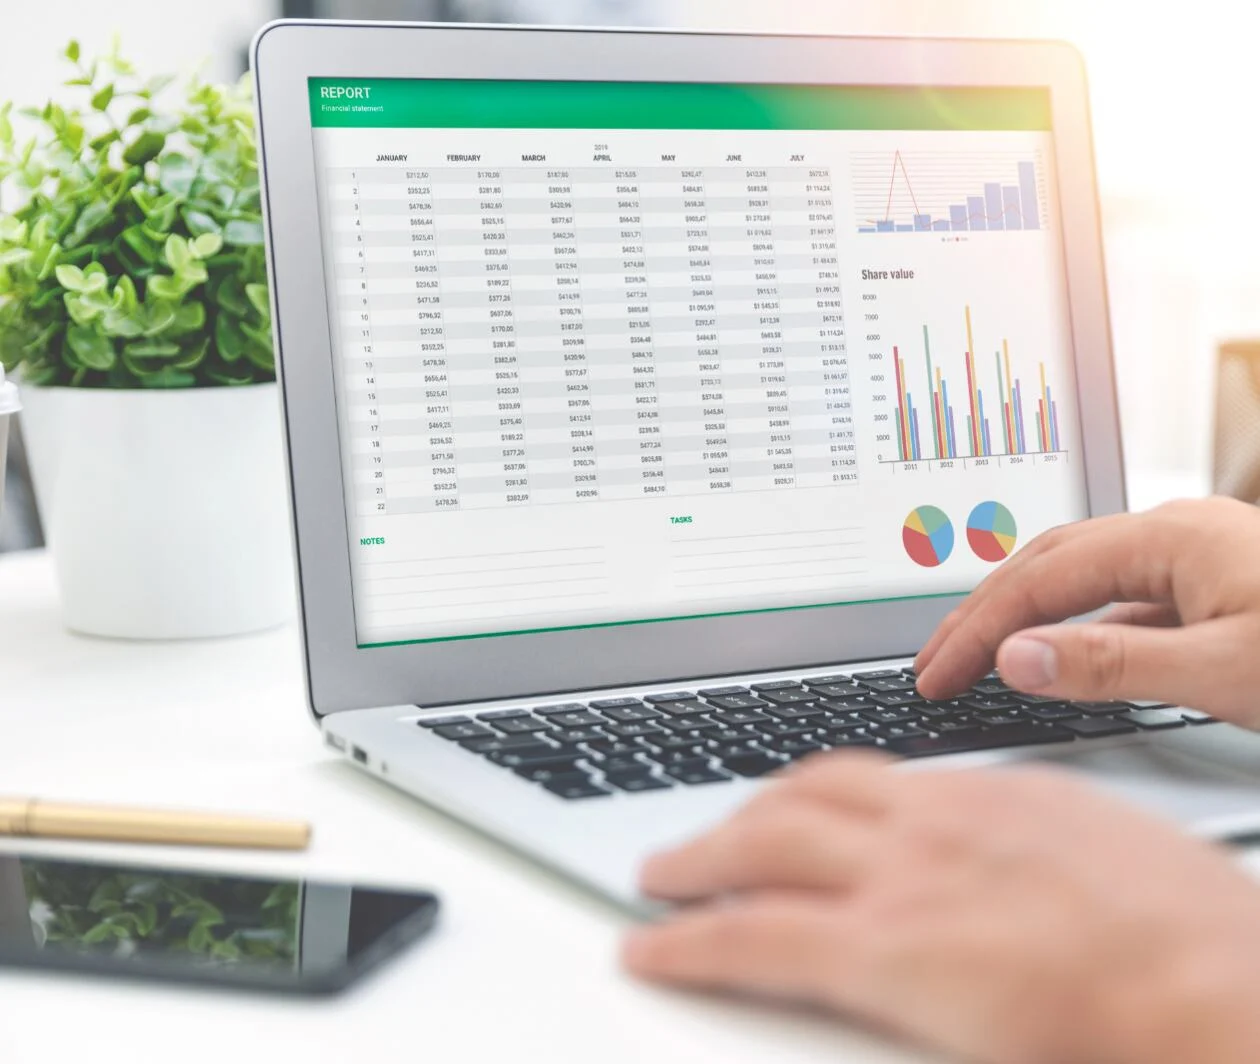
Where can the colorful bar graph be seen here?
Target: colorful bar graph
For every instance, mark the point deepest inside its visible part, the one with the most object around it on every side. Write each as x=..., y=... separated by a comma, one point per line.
x=939, y=431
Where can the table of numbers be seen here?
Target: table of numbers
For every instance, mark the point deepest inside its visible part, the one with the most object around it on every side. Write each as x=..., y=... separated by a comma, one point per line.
x=526, y=335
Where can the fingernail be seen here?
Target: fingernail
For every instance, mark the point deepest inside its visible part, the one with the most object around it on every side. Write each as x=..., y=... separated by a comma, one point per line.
x=1028, y=664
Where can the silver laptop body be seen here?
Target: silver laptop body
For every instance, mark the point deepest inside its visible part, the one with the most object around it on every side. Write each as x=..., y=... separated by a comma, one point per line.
x=627, y=363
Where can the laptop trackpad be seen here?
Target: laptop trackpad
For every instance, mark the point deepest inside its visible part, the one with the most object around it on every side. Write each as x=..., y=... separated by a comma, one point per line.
x=1206, y=777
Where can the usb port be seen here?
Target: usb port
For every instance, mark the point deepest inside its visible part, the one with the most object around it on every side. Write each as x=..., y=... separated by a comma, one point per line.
x=335, y=741
x=359, y=755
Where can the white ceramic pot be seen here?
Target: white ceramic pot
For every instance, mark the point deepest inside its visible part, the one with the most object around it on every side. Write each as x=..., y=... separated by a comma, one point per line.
x=166, y=511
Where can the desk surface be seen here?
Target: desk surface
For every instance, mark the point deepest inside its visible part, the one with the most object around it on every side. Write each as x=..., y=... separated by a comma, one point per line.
x=522, y=967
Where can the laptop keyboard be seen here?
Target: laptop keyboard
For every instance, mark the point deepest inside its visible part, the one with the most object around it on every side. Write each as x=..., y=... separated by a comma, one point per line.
x=714, y=734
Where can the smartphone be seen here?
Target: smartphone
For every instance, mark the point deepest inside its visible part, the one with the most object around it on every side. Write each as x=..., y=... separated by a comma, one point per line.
x=222, y=929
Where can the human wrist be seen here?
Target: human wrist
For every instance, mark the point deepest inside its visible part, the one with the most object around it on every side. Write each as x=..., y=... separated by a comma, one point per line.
x=1199, y=1008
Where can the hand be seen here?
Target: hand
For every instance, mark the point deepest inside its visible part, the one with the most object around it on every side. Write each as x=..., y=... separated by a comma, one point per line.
x=1189, y=576
x=1010, y=916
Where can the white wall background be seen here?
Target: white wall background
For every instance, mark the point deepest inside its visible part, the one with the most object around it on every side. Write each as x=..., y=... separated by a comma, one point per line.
x=1177, y=150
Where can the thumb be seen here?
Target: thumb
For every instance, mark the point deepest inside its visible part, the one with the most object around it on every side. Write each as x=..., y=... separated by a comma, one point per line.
x=1187, y=666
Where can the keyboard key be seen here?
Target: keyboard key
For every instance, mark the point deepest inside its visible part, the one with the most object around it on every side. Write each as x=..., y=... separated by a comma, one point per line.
x=1097, y=727
x=503, y=714
x=630, y=714
x=898, y=684
x=696, y=772
x=841, y=725
x=842, y=705
x=988, y=702
x=615, y=747
x=795, y=748
x=739, y=716
x=955, y=726
x=838, y=690
x=1000, y=718
x=721, y=692
x=789, y=696
x=775, y=685
x=823, y=681
x=1195, y=716
x=520, y=725
x=935, y=710
x=665, y=758
x=991, y=687
x=564, y=707
x=557, y=761
x=724, y=750
x=616, y=703
x=878, y=674
x=752, y=764
x=726, y=734
x=670, y=696
x=900, y=731
x=737, y=702
x=636, y=781
x=576, y=786
x=573, y=735
x=609, y=765
x=470, y=730
x=1035, y=700
x=633, y=731
x=878, y=715
x=839, y=740
x=1153, y=719
x=575, y=718
x=674, y=742
x=787, y=729
x=438, y=722
x=895, y=698
x=1095, y=709
x=989, y=739
x=1050, y=711
x=795, y=712
x=687, y=725
x=505, y=742
x=1139, y=703
x=543, y=771
x=681, y=709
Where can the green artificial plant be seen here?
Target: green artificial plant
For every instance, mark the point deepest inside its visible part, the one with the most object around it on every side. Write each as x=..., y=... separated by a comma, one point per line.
x=133, y=256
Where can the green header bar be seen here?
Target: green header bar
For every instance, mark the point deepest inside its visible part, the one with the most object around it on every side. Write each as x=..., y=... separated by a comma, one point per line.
x=396, y=103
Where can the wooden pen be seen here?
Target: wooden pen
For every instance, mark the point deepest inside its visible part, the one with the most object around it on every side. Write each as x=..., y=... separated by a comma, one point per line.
x=33, y=818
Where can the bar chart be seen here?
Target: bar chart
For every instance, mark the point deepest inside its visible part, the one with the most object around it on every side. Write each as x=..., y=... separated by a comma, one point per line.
x=942, y=434
x=949, y=192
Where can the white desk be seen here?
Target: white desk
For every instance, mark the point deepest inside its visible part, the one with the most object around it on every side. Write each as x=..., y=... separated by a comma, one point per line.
x=522, y=968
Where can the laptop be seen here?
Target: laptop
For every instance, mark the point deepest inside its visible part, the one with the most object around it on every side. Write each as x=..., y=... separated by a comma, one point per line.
x=651, y=396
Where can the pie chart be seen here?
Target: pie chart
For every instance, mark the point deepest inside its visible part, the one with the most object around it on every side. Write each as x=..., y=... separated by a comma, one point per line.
x=991, y=532
x=928, y=536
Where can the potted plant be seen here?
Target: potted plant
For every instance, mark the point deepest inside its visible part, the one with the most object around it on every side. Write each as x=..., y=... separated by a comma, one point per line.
x=133, y=304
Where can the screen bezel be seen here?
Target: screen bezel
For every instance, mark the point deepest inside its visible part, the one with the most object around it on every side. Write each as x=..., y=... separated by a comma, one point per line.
x=343, y=676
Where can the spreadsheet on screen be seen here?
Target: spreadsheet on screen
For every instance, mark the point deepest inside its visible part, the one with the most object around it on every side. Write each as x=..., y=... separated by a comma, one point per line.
x=612, y=353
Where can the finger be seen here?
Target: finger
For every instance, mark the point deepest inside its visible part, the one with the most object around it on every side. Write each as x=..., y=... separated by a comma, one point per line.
x=1123, y=561
x=1197, y=665
x=768, y=944
x=789, y=844
x=856, y=780
x=1010, y=570
x=1142, y=614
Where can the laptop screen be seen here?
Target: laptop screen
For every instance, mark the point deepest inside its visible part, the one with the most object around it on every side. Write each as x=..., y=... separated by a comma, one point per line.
x=619, y=353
